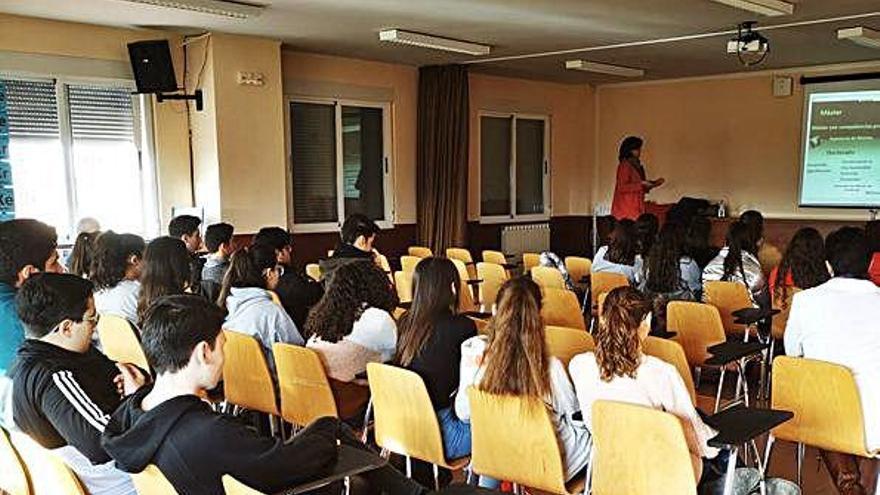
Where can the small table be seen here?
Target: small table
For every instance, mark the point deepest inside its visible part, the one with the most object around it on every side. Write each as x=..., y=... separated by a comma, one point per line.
x=739, y=425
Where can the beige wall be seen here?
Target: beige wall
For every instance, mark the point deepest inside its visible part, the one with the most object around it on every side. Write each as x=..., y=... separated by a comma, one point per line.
x=88, y=42
x=718, y=138
x=310, y=75
x=570, y=108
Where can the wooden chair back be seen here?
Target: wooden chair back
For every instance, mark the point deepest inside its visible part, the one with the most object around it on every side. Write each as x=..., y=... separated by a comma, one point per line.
x=826, y=404
x=408, y=263
x=13, y=474
x=493, y=277
x=565, y=343
x=728, y=297
x=605, y=282
x=627, y=442
x=530, y=260
x=151, y=481
x=303, y=385
x=672, y=353
x=502, y=429
x=48, y=474
x=697, y=326
x=420, y=252
x=119, y=341
x=247, y=381
x=405, y=420
x=578, y=267
x=496, y=257
x=560, y=307
x=548, y=277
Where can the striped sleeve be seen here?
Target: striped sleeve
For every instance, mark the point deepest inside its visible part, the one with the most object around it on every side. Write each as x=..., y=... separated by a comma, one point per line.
x=82, y=404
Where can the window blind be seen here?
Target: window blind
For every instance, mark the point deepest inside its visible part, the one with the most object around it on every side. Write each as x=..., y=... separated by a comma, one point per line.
x=103, y=113
x=313, y=128
x=32, y=109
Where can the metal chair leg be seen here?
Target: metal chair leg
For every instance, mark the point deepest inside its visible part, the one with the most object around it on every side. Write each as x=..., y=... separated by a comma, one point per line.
x=720, y=388
x=408, y=467
x=800, y=464
x=366, y=433
x=768, y=449
x=698, y=377
x=436, y=477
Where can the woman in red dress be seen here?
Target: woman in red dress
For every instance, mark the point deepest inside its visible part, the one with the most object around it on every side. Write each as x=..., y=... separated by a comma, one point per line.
x=632, y=184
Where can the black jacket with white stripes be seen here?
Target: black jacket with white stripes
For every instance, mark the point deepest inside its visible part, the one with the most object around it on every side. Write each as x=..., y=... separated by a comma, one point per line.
x=60, y=397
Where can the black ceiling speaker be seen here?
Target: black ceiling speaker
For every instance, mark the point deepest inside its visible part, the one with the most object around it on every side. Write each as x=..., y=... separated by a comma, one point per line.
x=154, y=71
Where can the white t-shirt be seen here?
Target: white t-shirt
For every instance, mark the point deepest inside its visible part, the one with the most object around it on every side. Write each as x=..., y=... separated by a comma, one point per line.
x=120, y=300
x=376, y=331
x=657, y=385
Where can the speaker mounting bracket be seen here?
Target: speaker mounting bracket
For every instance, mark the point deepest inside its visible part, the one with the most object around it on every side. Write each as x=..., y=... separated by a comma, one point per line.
x=196, y=96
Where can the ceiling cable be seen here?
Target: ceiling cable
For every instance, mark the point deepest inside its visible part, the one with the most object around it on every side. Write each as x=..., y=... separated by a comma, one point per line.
x=673, y=39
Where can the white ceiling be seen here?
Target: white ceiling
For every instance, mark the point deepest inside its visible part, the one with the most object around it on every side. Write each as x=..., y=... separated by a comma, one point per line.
x=512, y=27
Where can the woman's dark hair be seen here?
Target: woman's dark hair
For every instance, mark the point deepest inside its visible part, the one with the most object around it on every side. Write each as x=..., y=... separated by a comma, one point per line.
x=166, y=271
x=82, y=254
x=623, y=243
x=627, y=146
x=435, y=295
x=353, y=287
x=804, y=260
x=357, y=225
x=663, y=266
x=112, y=254
x=754, y=220
x=740, y=238
x=697, y=237
x=872, y=233
x=647, y=226
x=47, y=299
x=247, y=269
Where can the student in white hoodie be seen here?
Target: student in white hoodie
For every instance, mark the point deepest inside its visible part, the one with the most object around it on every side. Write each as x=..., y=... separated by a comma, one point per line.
x=115, y=271
x=251, y=308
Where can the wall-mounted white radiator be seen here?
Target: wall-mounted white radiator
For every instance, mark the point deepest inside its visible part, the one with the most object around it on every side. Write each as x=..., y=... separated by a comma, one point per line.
x=531, y=238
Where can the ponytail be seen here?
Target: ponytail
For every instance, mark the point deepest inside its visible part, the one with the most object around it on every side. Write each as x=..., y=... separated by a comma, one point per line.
x=618, y=346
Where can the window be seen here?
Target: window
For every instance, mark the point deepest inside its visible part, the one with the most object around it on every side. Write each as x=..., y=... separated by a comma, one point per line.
x=75, y=151
x=514, y=168
x=339, y=162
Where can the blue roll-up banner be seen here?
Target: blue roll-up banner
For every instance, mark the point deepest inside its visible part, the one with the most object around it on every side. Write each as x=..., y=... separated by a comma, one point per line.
x=7, y=196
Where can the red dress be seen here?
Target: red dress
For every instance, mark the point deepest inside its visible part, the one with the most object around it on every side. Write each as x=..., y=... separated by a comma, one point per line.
x=629, y=193
x=874, y=270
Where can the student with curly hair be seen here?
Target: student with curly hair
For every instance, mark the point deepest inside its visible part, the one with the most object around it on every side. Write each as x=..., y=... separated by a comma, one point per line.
x=166, y=271
x=513, y=360
x=351, y=326
x=620, y=371
x=669, y=272
x=115, y=271
x=803, y=266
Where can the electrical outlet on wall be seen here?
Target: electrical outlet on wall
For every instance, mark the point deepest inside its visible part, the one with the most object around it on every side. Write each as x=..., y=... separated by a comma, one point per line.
x=783, y=86
x=250, y=78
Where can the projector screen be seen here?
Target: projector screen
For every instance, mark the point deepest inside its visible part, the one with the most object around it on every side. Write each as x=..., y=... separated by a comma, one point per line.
x=841, y=146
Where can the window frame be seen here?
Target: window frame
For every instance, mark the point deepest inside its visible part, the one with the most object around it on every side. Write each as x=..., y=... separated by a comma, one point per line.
x=144, y=141
x=387, y=153
x=513, y=216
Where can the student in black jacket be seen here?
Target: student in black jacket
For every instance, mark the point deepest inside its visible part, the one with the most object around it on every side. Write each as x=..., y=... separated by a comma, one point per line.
x=297, y=292
x=186, y=228
x=64, y=390
x=168, y=425
x=356, y=241
x=429, y=342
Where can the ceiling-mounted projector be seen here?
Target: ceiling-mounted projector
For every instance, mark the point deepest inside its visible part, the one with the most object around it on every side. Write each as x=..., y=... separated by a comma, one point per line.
x=750, y=46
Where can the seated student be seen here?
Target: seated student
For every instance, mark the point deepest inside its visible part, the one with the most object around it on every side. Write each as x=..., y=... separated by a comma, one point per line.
x=669, y=272
x=26, y=247
x=297, y=292
x=552, y=260
x=116, y=272
x=64, y=388
x=620, y=371
x=768, y=254
x=165, y=271
x=872, y=231
x=513, y=360
x=186, y=228
x=696, y=244
x=737, y=263
x=218, y=240
x=168, y=425
x=250, y=309
x=431, y=334
x=803, y=266
x=352, y=326
x=647, y=226
x=621, y=253
x=356, y=241
x=837, y=322
x=80, y=261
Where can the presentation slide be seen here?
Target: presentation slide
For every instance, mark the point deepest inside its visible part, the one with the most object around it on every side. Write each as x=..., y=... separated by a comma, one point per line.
x=841, y=158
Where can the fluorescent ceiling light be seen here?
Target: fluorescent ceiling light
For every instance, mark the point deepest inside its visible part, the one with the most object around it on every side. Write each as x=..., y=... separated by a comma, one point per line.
x=599, y=68
x=226, y=8
x=861, y=36
x=434, y=42
x=763, y=7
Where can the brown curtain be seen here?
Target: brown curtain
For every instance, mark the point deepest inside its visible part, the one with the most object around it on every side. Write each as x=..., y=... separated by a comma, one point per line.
x=442, y=164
